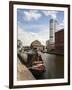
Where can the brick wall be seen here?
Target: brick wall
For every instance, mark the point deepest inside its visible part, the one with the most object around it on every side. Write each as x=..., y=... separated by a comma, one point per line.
x=59, y=40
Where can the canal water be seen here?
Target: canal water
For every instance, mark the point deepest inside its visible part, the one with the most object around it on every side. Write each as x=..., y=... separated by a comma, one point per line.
x=54, y=65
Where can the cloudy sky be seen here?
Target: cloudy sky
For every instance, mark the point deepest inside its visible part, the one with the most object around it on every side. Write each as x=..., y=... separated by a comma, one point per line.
x=34, y=24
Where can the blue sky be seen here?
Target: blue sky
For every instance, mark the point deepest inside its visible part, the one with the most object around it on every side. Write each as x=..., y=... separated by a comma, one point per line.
x=37, y=22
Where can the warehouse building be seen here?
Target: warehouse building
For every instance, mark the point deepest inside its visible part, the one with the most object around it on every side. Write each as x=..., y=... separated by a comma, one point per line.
x=59, y=41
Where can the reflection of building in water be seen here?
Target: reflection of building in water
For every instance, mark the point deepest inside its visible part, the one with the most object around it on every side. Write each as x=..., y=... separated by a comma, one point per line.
x=37, y=45
x=53, y=25
x=59, y=40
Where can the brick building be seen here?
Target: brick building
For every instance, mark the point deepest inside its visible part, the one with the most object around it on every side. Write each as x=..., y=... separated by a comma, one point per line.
x=59, y=41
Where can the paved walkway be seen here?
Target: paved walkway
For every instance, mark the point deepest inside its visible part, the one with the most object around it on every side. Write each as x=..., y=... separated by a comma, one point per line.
x=22, y=72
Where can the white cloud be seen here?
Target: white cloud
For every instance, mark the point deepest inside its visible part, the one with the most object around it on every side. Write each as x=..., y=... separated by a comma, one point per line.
x=32, y=14
x=50, y=13
x=28, y=37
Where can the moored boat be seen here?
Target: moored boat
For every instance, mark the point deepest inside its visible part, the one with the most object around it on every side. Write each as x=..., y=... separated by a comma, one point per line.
x=38, y=68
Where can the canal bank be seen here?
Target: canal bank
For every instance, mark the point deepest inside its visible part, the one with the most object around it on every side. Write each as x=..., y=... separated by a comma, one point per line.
x=22, y=72
x=56, y=52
